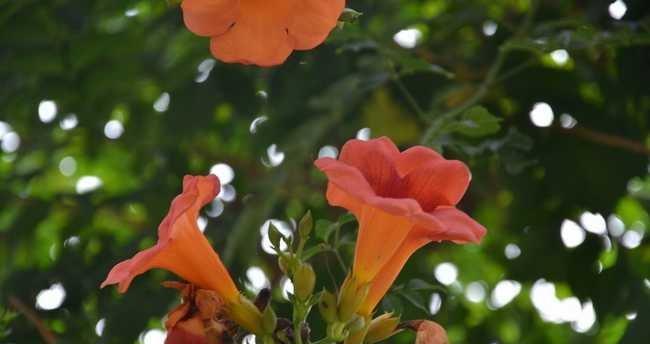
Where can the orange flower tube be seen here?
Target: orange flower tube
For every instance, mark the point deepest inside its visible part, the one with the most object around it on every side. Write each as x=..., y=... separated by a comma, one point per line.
x=261, y=32
x=181, y=247
x=402, y=201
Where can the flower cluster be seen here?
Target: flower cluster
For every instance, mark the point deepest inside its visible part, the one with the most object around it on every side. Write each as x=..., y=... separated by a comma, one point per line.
x=401, y=200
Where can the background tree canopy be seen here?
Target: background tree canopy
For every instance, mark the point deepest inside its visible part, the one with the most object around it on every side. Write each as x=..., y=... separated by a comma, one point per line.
x=105, y=105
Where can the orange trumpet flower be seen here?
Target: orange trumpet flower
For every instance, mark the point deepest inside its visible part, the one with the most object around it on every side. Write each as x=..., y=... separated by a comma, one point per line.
x=261, y=32
x=401, y=200
x=183, y=250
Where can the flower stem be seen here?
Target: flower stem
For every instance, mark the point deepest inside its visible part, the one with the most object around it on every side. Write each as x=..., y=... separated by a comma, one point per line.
x=298, y=317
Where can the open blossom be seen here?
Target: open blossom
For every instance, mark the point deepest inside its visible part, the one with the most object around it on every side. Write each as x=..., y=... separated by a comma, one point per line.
x=261, y=32
x=402, y=201
x=184, y=250
x=181, y=247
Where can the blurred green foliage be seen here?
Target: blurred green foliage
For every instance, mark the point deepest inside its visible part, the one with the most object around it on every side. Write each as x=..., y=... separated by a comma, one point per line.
x=466, y=88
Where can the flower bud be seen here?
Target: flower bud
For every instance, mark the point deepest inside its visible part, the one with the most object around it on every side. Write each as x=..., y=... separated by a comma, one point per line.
x=349, y=15
x=305, y=226
x=269, y=320
x=304, y=281
x=284, y=262
x=246, y=315
x=381, y=328
x=327, y=306
x=357, y=324
x=351, y=296
x=356, y=337
x=275, y=237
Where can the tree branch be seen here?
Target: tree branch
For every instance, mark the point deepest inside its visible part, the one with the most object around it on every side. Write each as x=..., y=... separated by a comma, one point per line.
x=607, y=139
x=20, y=307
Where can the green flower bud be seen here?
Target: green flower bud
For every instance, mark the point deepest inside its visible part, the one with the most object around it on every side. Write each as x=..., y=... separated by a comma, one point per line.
x=284, y=262
x=349, y=15
x=269, y=319
x=351, y=296
x=357, y=324
x=305, y=226
x=327, y=306
x=382, y=328
x=304, y=281
x=275, y=237
x=246, y=315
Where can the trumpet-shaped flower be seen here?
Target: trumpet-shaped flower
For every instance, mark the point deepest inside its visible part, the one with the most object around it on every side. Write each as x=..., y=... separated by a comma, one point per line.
x=402, y=201
x=261, y=32
x=182, y=248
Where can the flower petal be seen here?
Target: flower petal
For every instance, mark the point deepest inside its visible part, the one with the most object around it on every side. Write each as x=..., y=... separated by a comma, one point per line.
x=375, y=160
x=312, y=20
x=258, y=37
x=460, y=228
x=209, y=17
x=438, y=183
x=189, y=331
x=415, y=157
x=347, y=187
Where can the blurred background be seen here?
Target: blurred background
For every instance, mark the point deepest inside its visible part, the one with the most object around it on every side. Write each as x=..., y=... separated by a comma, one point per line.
x=105, y=105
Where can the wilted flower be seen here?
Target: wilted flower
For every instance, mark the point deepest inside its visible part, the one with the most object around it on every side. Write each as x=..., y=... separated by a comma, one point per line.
x=199, y=319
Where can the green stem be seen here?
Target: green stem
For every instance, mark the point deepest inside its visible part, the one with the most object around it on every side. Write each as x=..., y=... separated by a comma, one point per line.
x=490, y=79
x=324, y=341
x=298, y=318
x=405, y=92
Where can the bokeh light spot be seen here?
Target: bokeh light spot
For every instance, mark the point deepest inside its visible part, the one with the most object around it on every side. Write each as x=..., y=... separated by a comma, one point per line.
x=47, y=110
x=408, y=38
x=617, y=9
x=68, y=166
x=446, y=273
x=572, y=234
x=113, y=129
x=51, y=298
x=542, y=115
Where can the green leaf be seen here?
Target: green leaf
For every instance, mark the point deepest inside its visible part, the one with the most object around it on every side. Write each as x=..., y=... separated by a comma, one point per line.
x=608, y=257
x=414, y=298
x=392, y=303
x=612, y=330
x=419, y=284
x=276, y=237
x=324, y=229
x=477, y=122
x=346, y=218
x=409, y=64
